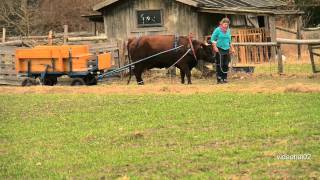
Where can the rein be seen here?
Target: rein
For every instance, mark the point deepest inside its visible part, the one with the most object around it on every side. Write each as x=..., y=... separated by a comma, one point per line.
x=192, y=48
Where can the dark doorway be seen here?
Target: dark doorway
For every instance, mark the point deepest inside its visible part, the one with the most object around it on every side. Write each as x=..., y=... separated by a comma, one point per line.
x=208, y=22
x=261, y=21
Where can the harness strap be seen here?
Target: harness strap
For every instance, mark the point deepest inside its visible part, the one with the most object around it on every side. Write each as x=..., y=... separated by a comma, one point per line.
x=123, y=68
x=176, y=41
x=180, y=58
x=192, y=48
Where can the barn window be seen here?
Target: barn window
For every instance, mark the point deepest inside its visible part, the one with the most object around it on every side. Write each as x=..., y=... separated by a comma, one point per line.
x=149, y=18
x=238, y=20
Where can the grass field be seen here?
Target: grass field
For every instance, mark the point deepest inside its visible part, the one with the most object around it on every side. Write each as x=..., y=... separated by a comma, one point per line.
x=303, y=68
x=223, y=135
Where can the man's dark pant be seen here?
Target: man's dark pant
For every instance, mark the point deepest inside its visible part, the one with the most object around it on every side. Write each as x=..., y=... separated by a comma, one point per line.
x=222, y=66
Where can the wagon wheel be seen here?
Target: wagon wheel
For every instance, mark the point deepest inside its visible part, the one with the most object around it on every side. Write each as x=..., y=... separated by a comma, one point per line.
x=91, y=80
x=50, y=81
x=78, y=82
x=29, y=82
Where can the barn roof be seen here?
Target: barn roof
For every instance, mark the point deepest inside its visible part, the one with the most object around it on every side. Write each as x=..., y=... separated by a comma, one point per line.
x=264, y=7
x=214, y=3
x=235, y=3
x=103, y=4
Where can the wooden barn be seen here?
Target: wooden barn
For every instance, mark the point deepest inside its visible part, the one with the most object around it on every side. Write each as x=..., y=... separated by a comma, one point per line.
x=251, y=20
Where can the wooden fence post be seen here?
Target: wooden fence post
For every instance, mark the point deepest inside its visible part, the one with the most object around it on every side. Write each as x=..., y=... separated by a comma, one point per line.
x=50, y=36
x=65, y=34
x=3, y=35
x=279, y=56
x=299, y=35
x=314, y=69
x=273, y=34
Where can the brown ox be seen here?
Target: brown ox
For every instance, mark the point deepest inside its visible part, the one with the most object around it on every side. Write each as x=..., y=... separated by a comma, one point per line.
x=145, y=46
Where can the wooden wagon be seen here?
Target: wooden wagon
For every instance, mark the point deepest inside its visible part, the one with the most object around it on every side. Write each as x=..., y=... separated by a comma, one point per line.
x=50, y=62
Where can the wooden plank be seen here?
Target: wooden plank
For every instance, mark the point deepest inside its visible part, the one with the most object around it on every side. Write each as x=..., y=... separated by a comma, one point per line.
x=10, y=80
x=245, y=39
x=6, y=66
x=260, y=49
x=8, y=71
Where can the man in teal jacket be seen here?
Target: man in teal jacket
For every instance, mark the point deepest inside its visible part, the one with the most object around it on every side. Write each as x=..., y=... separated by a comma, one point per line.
x=221, y=41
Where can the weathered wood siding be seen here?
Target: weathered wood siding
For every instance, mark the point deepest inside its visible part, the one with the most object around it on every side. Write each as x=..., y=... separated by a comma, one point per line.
x=120, y=19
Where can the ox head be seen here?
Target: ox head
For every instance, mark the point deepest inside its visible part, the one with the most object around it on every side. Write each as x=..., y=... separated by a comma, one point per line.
x=205, y=52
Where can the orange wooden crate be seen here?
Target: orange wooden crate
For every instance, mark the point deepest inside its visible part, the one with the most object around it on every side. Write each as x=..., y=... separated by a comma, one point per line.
x=56, y=58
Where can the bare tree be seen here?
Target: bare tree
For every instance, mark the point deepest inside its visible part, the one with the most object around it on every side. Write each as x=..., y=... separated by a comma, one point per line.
x=35, y=17
x=15, y=15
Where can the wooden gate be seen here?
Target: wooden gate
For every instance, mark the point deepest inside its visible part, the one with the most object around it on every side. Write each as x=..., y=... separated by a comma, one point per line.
x=254, y=54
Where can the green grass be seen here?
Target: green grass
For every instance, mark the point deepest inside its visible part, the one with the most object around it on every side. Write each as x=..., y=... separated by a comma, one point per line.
x=202, y=136
x=287, y=68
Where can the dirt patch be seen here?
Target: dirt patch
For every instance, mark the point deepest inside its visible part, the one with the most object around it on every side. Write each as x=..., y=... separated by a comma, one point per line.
x=246, y=84
x=302, y=88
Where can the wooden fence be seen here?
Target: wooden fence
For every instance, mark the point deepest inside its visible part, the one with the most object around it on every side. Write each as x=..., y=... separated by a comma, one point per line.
x=7, y=67
x=312, y=43
x=51, y=38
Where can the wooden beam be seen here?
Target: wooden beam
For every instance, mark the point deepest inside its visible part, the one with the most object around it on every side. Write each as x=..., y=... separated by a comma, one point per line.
x=3, y=35
x=93, y=38
x=316, y=46
x=246, y=11
x=103, y=4
x=233, y=11
x=282, y=41
x=58, y=35
x=255, y=44
x=286, y=30
x=289, y=12
x=189, y=2
x=297, y=41
x=316, y=54
x=311, y=29
x=12, y=43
